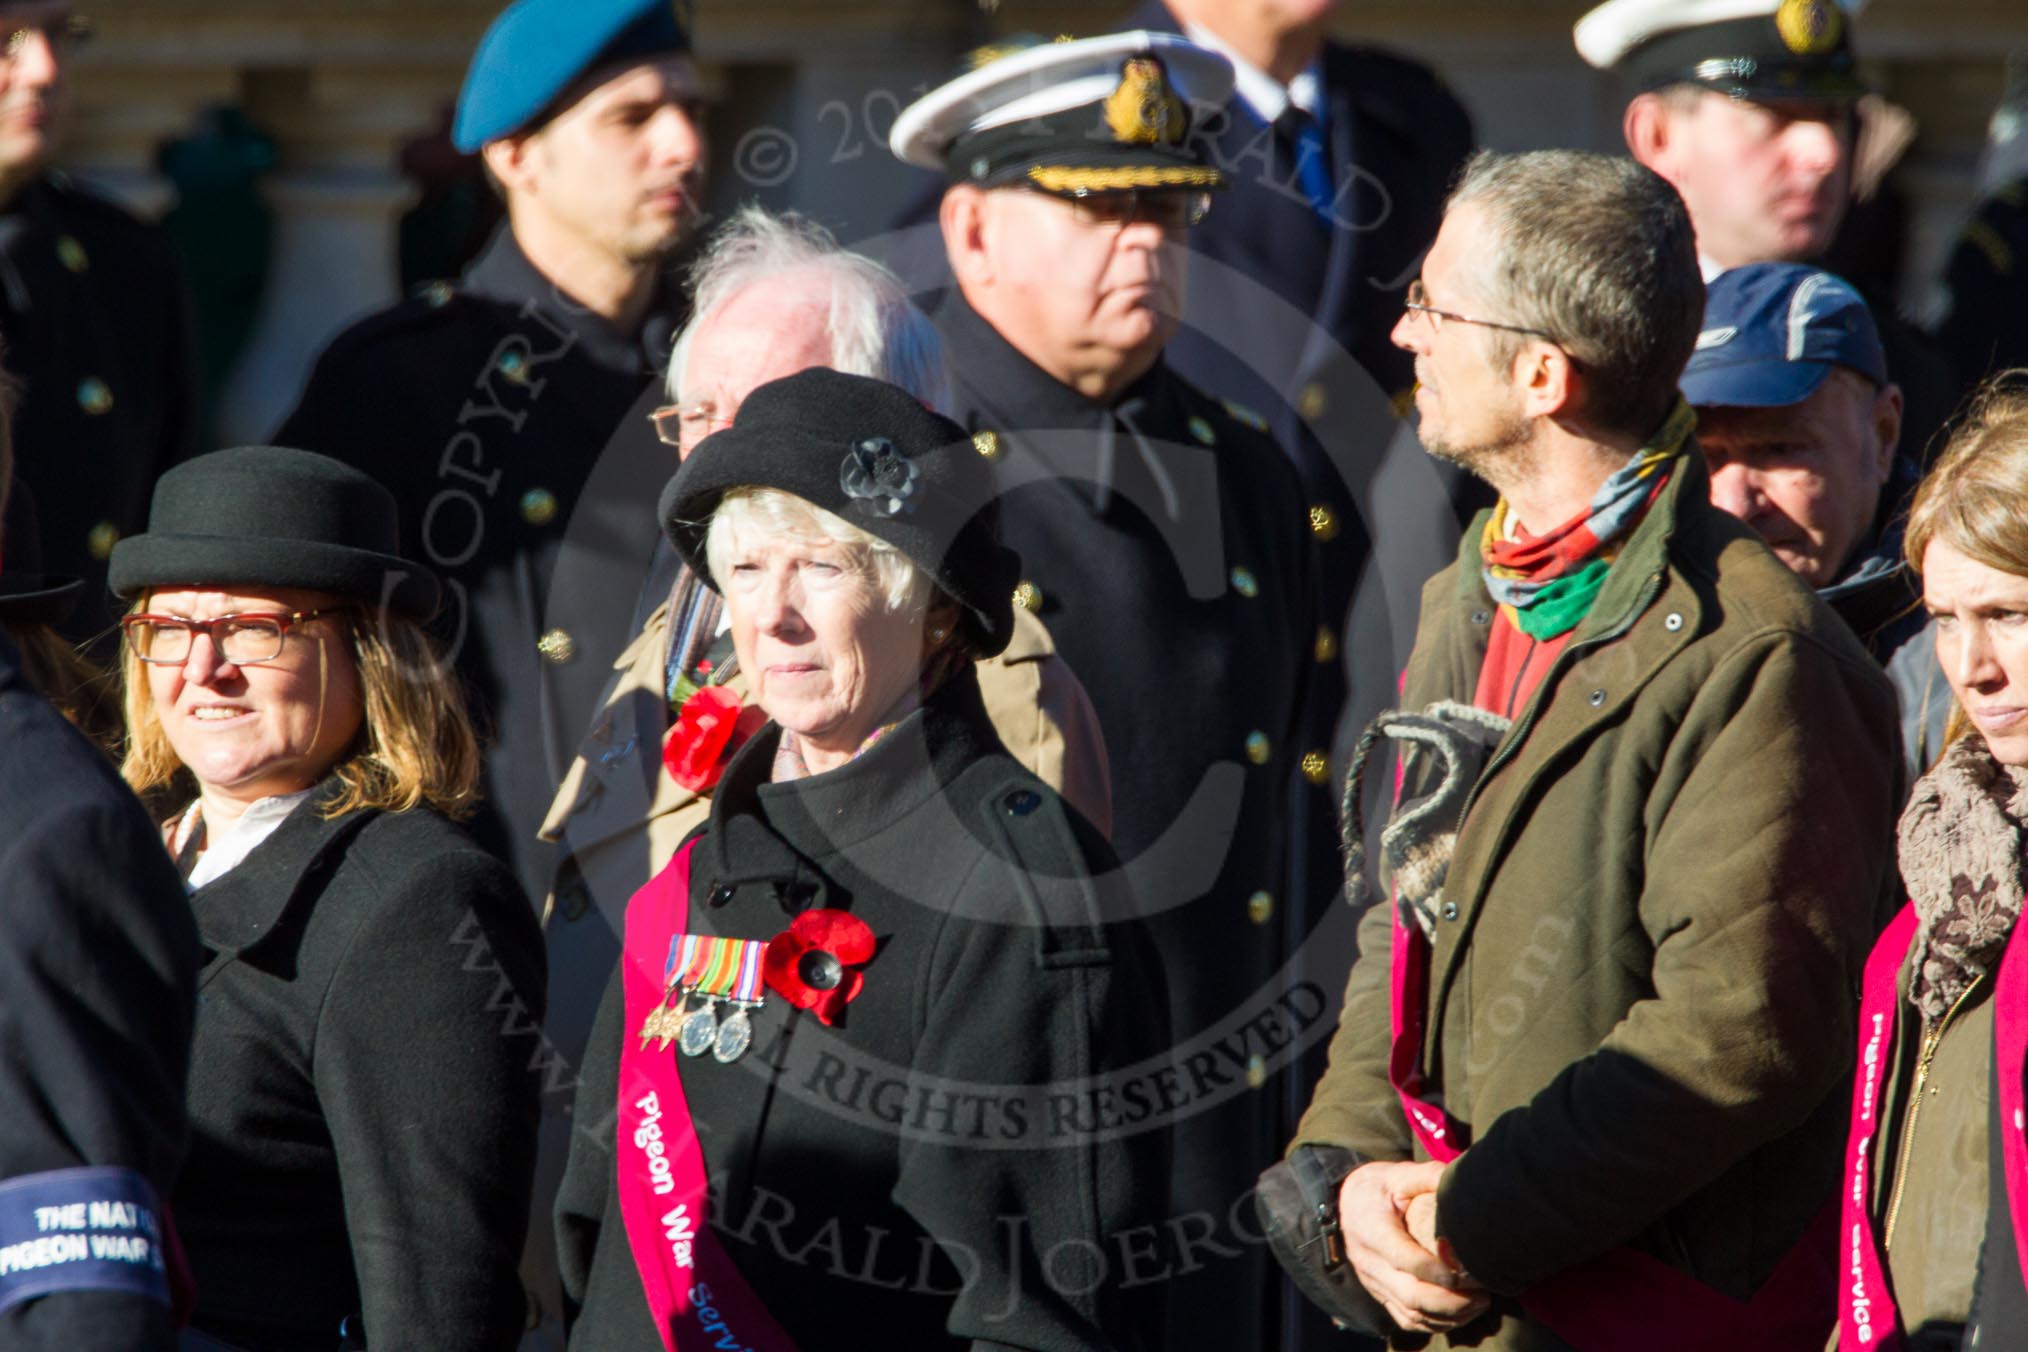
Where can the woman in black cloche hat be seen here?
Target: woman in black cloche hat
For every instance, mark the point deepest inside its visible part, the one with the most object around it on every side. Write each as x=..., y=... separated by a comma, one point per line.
x=852, y=996
x=362, y=1095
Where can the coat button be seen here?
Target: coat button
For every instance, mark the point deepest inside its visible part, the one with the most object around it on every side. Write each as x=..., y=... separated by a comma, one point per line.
x=72, y=254
x=556, y=646
x=721, y=895
x=538, y=506
x=1202, y=430
x=1317, y=767
x=1028, y=596
x=1480, y=617
x=1327, y=643
x=1597, y=698
x=1258, y=748
x=1312, y=402
x=1022, y=802
x=100, y=539
x=1245, y=583
x=94, y=396
x=514, y=366
x=1672, y=622
x=1256, y=1071
x=987, y=444
x=1323, y=522
x=437, y=295
x=1260, y=907
x=1450, y=910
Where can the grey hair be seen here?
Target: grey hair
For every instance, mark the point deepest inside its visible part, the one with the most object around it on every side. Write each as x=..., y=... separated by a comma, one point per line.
x=875, y=330
x=1597, y=252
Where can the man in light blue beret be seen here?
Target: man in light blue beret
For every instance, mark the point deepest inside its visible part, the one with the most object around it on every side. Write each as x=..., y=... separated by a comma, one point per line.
x=508, y=412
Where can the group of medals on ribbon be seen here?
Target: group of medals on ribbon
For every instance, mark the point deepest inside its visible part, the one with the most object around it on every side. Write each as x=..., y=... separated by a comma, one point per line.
x=714, y=970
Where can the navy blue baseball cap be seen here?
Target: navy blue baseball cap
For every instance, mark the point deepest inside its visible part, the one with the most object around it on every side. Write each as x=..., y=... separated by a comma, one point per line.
x=1773, y=331
x=537, y=49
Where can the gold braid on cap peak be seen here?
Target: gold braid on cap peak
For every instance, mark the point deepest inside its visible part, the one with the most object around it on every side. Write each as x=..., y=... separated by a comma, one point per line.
x=1144, y=110
x=1079, y=178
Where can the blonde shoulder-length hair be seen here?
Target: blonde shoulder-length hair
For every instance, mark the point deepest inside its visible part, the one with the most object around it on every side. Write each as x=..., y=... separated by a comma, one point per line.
x=1975, y=499
x=415, y=744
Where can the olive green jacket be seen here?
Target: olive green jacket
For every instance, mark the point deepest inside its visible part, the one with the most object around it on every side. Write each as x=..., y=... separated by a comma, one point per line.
x=1643, y=981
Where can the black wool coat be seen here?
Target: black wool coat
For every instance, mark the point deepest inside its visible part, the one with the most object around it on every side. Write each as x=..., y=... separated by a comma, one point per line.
x=511, y=424
x=98, y=332
x=943, y=1127
x=1195, y=637
x=363, y=1095
x=98, y=964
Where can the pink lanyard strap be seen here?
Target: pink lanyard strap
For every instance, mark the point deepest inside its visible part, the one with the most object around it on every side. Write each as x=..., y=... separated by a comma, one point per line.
x=1623, y=1298
x=695, y=1293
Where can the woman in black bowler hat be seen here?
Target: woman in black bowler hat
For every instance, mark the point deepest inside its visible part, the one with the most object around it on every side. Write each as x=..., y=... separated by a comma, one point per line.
x=852, y=996
x=363, y=1096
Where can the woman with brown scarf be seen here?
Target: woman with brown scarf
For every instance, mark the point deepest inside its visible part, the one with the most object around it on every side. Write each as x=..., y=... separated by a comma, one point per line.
x=1935, y=1192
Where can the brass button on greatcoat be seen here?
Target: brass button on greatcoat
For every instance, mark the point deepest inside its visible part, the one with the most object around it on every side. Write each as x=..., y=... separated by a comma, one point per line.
x=1323, y=523
x=1312, y=402
x=1316, y=767
x=100, y=539
x=1258, y=748
x=1327, y=643
x=94, y=396
x=987, y=444
x=557, y=646
x=1202, y=430
x=1260, y=907
x=538, y=506
x=1256, y=1071
x=72, y=254
x=1028, y=596
x=1245, y=583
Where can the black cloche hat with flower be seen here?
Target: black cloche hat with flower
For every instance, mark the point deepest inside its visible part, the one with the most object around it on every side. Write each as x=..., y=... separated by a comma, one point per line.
x=871, y=453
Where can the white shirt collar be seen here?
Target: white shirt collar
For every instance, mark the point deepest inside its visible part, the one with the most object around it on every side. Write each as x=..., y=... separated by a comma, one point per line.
x=1262, y=92
x=1709, y=266
x=227, y=849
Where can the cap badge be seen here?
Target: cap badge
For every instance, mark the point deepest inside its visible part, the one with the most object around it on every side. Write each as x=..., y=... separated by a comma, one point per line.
x=879, y=479
x=1144, y=110
x=1809, y=27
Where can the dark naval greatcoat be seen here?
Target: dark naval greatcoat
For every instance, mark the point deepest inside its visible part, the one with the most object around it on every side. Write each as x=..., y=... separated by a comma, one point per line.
x=363, y=1088
x=1164, y=542
x=511, y=424
x=98, y=963
x=96, y=328
x=934, y=1170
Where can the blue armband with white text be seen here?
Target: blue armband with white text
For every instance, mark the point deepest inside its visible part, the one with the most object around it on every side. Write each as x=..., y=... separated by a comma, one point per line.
x=90, y=1229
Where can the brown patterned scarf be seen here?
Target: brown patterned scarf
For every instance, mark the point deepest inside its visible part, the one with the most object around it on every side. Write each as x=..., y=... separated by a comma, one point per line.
x=1961, y=857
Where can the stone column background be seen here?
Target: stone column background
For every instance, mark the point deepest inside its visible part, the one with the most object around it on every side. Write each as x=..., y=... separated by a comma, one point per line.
x=807, y=89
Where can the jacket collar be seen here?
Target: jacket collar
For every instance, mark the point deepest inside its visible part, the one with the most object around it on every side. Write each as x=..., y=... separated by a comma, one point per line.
x=239, y=910
x=763, y=831
x=502, y=272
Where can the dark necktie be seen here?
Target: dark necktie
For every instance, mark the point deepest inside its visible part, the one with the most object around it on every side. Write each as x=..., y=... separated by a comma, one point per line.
x=1302, y=140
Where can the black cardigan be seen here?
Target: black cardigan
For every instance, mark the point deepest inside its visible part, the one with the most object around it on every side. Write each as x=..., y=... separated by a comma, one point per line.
x=861, y=1173
x=362, y=1094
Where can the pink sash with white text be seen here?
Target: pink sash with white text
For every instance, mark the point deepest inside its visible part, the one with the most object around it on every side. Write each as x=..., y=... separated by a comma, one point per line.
x=1866, y=1314
x=1623, y=1298
x=696, y=1295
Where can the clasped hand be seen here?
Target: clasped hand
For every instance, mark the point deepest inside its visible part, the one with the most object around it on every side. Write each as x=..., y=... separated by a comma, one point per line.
x=1388, y=1215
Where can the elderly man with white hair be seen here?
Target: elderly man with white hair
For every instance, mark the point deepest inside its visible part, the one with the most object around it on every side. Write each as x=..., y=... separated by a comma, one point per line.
x=772, y=296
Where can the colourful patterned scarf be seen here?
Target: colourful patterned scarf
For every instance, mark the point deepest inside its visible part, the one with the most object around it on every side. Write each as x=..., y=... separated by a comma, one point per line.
x=1546, y=583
